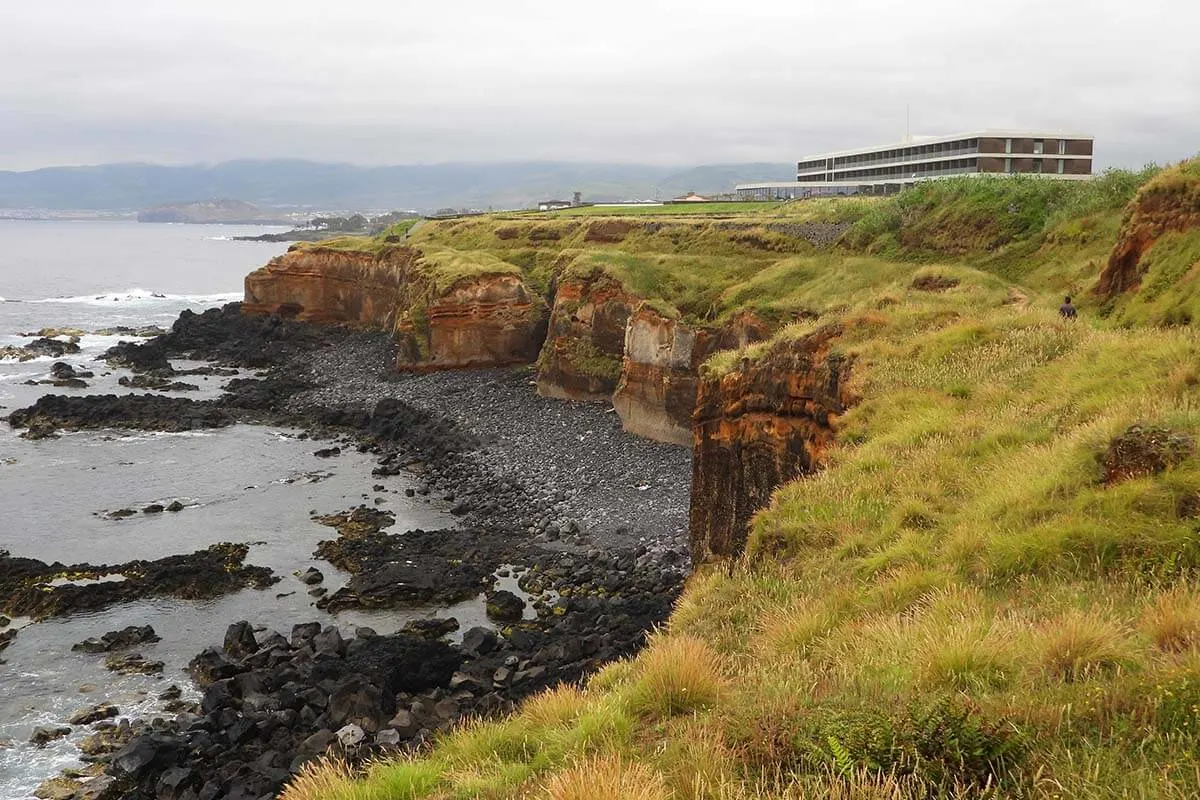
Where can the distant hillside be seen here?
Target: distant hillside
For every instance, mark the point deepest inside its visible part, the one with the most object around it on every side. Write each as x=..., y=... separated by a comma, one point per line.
x=211, y=211
x=290, y=183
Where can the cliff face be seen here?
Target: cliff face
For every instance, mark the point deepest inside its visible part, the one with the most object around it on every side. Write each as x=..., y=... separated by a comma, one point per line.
x=656, y=394
x=757, y=427
x=487, y=321
x=585, y=344
x=1168, y=202
x=330, y=286
x=475, y=321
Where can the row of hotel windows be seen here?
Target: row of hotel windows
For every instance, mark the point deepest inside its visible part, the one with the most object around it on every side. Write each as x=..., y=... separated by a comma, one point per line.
x=1039, y=146
x=1037, y=166
x=939, y=150
x=956, y=166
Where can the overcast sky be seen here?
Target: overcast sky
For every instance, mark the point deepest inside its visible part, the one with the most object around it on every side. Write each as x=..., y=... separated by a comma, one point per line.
x=400, y=82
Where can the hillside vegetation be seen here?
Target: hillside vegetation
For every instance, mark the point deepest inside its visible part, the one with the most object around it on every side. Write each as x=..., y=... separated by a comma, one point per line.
x=989, y=591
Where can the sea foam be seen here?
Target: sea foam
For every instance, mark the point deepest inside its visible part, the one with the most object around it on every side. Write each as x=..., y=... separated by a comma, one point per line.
x=142, y=296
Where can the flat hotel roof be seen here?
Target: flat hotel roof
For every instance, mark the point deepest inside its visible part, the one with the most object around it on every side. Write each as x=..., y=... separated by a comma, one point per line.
x=918, y=141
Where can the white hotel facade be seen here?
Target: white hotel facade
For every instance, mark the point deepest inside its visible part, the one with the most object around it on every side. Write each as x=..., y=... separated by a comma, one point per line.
x=887, y=168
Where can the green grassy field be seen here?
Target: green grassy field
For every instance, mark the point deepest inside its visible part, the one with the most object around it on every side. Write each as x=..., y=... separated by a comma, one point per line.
x=732, y=208
x=960, y=604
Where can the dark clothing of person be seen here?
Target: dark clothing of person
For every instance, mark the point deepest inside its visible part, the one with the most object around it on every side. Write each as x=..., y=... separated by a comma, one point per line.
x=1066, y=310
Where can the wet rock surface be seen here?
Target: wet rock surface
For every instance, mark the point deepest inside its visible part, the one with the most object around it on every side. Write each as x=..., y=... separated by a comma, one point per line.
x=33, y=588
x=139, y=412
x=41, y=347
x=117, y=640
x=267, y=710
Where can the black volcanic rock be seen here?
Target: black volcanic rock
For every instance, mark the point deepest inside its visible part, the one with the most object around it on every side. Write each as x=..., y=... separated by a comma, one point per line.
x=26, y=584
x=139, y=412
x=130, y=636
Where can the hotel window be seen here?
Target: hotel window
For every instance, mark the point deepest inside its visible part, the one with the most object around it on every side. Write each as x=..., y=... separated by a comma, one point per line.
x=1062, y=148
x=1008, y=145
x=1008, y=165
x=1039, y=146
x=1037, y=165
x=1061, y=166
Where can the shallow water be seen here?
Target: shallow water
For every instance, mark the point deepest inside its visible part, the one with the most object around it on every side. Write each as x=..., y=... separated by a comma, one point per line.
x=242, y=484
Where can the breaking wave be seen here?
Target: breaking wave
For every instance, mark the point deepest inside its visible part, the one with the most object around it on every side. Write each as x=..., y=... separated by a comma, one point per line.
x=142, y=296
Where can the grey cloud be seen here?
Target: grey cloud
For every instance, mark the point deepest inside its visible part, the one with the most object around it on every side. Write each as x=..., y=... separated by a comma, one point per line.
x=651, y=81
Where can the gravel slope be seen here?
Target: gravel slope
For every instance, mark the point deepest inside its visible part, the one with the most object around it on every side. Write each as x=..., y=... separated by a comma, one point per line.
x=617, y=488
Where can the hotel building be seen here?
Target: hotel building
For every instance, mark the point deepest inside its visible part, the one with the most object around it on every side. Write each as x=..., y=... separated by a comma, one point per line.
x=888, y=168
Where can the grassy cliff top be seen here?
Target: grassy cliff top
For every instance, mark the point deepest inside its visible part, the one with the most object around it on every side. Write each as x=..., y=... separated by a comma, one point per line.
x=448, y=267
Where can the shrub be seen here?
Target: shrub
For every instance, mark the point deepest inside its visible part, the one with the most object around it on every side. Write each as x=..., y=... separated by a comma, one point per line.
x=606, y=778
x=1173, y=623
x=1078, y=646
x=942, y=742
x=678, y=674
x=555, y=706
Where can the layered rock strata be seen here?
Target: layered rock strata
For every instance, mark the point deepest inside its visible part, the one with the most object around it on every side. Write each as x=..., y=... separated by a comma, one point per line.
x=656, y=394
x=585, y=344
x=486, y=318
x=1168, y=202
x=493, y=320
x=331, y=286
x=757, y=427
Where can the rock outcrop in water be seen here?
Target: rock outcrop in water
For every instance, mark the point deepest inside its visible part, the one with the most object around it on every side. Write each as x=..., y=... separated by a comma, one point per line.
x=760, y=425
x=32, y=588
x=53, y=412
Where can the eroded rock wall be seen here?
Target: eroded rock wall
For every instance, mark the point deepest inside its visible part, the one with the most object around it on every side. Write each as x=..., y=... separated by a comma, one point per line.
x=1168, y=202
x=656, y=394
x=757, y=427
x=330, y=286
x=585, y=344
x=477, y=321
x=488, y=321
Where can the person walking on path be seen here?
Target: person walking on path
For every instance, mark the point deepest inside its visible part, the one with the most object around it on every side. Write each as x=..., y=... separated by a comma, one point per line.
x=1066, y=310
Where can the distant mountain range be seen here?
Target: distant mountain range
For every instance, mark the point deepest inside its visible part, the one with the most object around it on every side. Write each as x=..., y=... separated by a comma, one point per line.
x=291, y=184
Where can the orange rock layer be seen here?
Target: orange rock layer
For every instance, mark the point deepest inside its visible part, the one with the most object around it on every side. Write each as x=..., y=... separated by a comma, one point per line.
x=758, y=427
x=483, y=320
x=656, y=394
x=585, y=343
x=329, y=286
x=1167, y=203
x=488, y=321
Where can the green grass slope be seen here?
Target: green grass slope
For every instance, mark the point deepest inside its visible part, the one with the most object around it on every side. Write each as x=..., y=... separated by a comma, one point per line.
x=990, y=591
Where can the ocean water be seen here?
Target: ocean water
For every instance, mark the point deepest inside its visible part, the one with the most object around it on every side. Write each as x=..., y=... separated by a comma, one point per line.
x=244, y=483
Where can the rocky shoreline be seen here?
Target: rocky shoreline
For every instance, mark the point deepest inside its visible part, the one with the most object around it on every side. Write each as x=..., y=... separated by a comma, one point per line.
x=587, y=520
